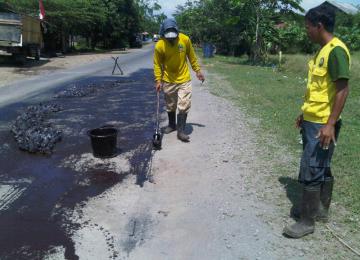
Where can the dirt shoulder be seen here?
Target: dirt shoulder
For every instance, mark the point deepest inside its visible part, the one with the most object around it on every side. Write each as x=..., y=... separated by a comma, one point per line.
x=10, y=73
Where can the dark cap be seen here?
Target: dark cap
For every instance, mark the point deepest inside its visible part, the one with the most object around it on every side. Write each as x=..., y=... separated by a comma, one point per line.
x=167, y=24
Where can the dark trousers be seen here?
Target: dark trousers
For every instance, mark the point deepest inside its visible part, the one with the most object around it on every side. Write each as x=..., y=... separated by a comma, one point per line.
x=315, y=161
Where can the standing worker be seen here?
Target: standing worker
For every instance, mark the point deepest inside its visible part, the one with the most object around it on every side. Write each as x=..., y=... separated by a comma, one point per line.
x=172, y=73
x=327, y=90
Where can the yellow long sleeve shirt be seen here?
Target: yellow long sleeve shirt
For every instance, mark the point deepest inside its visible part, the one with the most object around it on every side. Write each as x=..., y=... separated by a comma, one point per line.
x=170, y=60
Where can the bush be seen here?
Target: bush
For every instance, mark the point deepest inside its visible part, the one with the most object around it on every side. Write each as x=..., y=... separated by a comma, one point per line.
x=293, y=39
x=350, y=35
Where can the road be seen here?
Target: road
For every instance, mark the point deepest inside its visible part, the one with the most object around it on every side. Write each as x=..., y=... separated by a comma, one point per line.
x=37, y=192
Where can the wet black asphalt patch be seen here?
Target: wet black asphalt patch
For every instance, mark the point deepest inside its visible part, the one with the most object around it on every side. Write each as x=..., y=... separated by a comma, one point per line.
x=36, y=221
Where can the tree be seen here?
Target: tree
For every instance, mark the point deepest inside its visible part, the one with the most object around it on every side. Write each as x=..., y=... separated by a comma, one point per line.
x=151, y=15
x=347, y=28
x=260, y=18
x=235, y=26
x=114, y=23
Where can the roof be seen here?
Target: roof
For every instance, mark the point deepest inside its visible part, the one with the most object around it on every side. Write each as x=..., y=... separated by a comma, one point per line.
x=344, y=7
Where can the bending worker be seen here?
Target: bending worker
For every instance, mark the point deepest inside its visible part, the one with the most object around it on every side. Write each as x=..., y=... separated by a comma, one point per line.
x=172, y=73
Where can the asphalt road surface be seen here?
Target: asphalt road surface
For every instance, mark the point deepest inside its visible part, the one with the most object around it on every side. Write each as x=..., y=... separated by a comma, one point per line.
x=38, y=191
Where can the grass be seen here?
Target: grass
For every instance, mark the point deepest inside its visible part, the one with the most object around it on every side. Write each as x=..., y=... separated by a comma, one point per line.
x=275, y=97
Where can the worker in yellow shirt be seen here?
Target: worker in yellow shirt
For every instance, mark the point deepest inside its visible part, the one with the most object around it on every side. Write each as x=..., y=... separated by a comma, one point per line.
x=320, y=123
x=172, y=74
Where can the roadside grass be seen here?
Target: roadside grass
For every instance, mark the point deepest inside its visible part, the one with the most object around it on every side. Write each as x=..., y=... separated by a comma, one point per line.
x=274, y=96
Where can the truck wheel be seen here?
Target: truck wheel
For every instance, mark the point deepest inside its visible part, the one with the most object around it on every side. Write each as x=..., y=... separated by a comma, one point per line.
x=37, y=53
x=19, y=58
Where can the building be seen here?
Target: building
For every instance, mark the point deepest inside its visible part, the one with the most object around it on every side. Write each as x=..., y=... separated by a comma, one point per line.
x=342, y=7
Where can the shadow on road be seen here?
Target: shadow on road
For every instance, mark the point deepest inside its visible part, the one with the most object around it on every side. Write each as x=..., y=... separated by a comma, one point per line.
x=190, y=127
x=9, y=61
x=293, y=191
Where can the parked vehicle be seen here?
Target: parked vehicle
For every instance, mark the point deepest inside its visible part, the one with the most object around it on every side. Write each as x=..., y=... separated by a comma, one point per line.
x=20, y=35
x=156, y=37
x=136, y=41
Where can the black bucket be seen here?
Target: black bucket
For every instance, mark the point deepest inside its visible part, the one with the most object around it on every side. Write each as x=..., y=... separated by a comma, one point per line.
x=103, y=141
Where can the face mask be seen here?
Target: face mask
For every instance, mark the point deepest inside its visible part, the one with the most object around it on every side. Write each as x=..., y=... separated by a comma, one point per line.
x=171, y=35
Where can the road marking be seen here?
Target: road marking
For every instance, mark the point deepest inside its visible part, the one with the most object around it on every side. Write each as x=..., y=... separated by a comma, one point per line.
x=10, y=193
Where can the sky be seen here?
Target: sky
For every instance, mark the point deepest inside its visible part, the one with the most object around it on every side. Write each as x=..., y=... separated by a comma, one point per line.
x=169, y=6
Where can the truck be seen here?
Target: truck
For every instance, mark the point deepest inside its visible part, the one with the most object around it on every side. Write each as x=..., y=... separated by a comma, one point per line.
x=20, y=35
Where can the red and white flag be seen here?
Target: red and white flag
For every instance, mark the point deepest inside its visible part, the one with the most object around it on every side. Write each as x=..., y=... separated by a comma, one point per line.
x=42, y=10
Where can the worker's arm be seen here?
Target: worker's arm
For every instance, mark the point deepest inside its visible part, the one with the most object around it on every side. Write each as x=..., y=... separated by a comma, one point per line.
x=327, y=133
x=193, y=61
x=157, y=68
x=339, y=71
x=299, y=120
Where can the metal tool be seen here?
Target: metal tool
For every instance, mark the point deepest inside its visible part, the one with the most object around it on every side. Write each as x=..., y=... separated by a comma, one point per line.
x=117, y=65
x=157, y=134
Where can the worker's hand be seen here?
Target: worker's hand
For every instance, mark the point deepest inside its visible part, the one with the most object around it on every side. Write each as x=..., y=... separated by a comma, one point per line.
x=158, y=86
x=326, y=135
x=299, y=121
x=200, y=76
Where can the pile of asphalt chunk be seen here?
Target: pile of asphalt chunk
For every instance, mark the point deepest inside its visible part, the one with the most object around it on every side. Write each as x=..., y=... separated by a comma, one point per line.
x=76, y=91
x=33, y=133
x=73, y=90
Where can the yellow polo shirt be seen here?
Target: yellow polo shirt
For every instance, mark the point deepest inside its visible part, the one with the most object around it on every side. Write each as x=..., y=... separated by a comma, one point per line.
x=172, y=60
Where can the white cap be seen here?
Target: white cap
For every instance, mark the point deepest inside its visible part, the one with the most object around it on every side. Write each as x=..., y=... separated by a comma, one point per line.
x=171, y=35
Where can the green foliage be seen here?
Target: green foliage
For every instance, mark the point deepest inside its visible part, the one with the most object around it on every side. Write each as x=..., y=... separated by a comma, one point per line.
x=151, y=15
x=235, y=26
x=350, y=35
x=348, y=30
x=114, y=23
x=293, y=38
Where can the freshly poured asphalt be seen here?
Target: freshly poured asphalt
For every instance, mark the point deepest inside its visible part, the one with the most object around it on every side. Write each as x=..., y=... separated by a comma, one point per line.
x=37, y=192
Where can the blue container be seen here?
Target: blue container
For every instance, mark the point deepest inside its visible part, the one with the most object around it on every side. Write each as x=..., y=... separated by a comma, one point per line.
x=208, y=50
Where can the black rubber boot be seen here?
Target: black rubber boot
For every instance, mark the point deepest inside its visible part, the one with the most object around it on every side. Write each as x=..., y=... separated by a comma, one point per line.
x=309, y=208
x=181, y=119
x=295, y=212
x=325, y=199
x=172, y=123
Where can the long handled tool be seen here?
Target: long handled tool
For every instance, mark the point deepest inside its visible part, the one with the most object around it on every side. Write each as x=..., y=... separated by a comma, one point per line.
x=157, y=134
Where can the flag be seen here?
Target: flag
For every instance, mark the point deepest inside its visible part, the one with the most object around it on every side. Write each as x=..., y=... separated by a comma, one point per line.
x=42, y=10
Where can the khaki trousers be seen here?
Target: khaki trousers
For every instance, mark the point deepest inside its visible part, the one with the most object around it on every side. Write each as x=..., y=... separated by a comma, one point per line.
x=178, y=96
